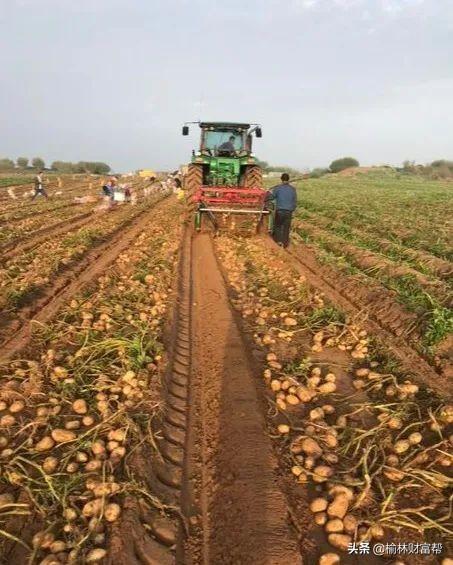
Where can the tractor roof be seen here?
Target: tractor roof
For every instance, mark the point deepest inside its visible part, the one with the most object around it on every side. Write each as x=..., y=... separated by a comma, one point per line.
x=225, y=125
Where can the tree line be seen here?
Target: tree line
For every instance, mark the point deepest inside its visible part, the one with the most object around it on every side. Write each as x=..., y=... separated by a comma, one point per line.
x=23, y=163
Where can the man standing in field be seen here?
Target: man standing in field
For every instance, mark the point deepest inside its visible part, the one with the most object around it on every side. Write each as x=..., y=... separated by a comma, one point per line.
x=39, y=188
x=285, y=197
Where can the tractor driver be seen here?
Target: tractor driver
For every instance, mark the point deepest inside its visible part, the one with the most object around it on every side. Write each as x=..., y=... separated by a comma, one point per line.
x=228, y=146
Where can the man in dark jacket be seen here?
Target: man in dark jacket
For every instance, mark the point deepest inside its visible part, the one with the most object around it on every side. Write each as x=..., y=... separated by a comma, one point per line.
x=285, y=197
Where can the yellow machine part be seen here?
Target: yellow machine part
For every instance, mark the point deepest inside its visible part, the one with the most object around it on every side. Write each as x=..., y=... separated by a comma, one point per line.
x=145, y=173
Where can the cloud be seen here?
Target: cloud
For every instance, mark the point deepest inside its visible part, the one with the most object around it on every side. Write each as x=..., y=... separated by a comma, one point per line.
x=398, y=6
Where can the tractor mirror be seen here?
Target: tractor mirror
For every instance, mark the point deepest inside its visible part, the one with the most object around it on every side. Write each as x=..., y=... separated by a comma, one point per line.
x=185, y=130
x=259, y=133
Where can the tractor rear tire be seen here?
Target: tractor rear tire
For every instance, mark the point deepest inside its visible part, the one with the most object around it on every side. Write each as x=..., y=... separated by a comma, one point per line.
x=192, y=182
x=253, y=177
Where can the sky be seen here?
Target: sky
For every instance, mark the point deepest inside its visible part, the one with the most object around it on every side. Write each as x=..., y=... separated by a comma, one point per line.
x=114, y=80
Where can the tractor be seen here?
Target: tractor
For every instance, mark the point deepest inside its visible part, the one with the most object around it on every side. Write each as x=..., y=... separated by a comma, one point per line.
x=224, y=181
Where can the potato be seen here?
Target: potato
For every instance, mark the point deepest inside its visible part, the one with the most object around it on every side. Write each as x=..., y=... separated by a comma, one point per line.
x=3, y=405
x=377, y=532
x=81, y=457
x=395, y=423
x=340, y=541
x=17, y=406
x=304, y=394
x=80, y=406
x=93, y=508
x=341, y=489
x=329, y=559
x=96, y=555
x=70, y=514
x=415, y=438
x=327, y=388
x=320, y=518
x=318, y=505
x=88, y=421
x=334, y=526
x=292, y=399
x=401, y=446
x=330, y=377
x=311, y=447
x=283, y=429
x=296, y=470
x=330, y=440
x=281, y=404
x=50, y=464
x=309, y=462
x=98, y=447
x=45, y=444
x=276, y=385
x=350, y=524
x=339, y=507
x=112, y=512
x=62, y=436
x=93, y=465
x=7, y=421
x=363, y=372
x=42, y=540
x=72, y=425
x=57, y=546
x=271, y=357
x=316, y=414
x=321, y=473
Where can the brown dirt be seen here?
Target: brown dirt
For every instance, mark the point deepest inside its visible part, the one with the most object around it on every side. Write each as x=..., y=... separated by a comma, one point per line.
x=355, y=300
x=69, y=282
x=231, y=469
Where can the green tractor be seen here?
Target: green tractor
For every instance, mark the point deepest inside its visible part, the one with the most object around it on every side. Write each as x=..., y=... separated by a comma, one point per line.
x=224, y=179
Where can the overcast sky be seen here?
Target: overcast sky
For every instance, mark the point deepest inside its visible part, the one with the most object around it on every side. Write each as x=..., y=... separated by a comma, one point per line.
x=114, y=80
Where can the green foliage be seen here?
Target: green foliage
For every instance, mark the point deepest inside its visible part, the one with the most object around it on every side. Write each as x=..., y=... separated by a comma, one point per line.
x=6, y=164
x=38, y=163
x=318, y=173
x=22, y=162
x=94, y=167
x=343, y=163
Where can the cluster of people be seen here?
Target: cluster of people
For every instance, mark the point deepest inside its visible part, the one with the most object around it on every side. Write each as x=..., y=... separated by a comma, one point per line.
x=115, y=191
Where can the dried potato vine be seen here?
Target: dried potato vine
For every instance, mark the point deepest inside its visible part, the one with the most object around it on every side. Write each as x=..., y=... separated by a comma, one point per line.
x=72, y=412
x=369, y=454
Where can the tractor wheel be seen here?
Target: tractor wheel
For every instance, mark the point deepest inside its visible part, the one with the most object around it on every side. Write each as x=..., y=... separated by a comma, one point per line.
x=192, y=182
x=253, y=177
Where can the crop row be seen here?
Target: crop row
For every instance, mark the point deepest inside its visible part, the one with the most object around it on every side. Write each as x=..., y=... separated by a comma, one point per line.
x=27, y=273
x=370, y=445
x=75, y=411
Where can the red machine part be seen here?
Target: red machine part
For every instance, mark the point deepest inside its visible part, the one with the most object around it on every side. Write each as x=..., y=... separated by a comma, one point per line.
x=228, y=195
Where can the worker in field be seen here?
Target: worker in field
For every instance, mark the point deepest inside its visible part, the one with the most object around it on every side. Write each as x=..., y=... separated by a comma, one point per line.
x=39, y=187
x=228, y=146
x=284, y=197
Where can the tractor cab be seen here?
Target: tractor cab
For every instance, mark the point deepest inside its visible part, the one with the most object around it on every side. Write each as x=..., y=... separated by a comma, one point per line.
x=224, y=178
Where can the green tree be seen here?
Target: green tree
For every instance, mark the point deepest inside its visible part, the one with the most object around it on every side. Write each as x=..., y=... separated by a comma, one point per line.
x=318, y=172
x=38, y=163
x=6, y=164
x=63, y=166
x=22, y=162
x=343, y=163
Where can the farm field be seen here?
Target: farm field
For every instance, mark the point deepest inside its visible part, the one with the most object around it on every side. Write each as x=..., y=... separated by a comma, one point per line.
x=172, y=397
x=386, y=241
